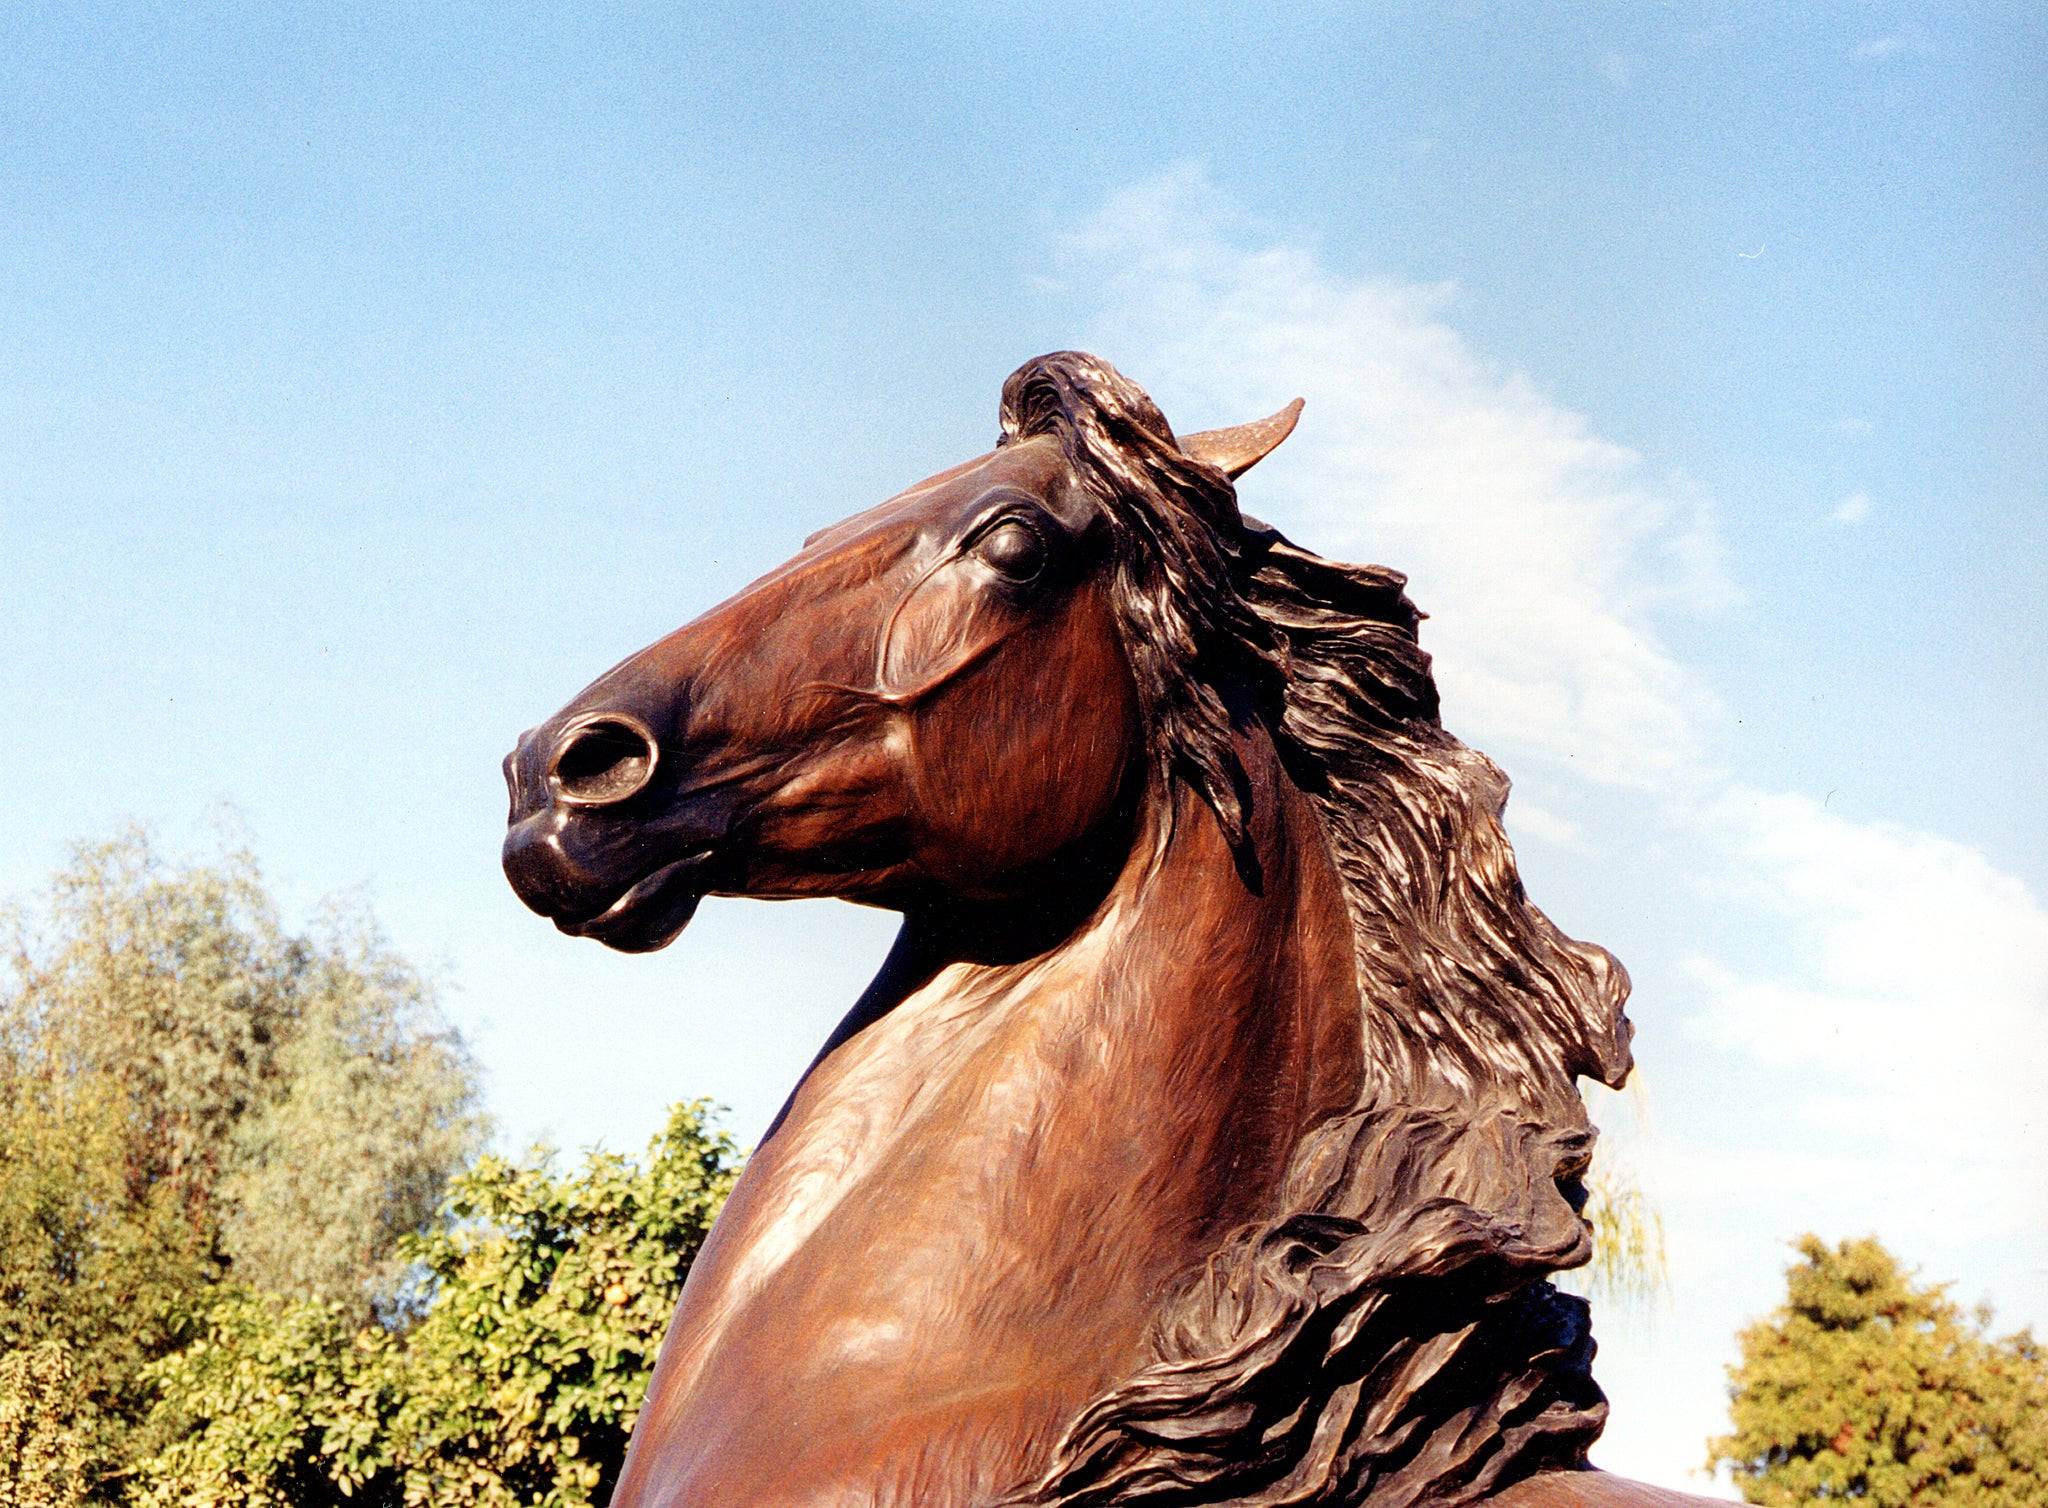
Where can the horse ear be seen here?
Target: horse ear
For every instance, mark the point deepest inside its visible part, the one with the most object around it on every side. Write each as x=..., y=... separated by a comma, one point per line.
x=1236, y=450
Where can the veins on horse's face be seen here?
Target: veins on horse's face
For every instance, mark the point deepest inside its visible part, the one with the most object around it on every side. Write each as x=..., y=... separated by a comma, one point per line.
x=1000, y=564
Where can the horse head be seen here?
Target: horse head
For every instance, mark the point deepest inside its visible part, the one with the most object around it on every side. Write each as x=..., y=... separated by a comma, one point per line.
x=931, y=705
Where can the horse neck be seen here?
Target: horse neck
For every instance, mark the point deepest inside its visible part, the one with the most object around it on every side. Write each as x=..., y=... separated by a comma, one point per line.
x=1193, y=1025
x=982, y=1194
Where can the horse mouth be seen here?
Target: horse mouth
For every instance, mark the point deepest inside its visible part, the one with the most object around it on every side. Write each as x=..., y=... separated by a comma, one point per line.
x=651, y=912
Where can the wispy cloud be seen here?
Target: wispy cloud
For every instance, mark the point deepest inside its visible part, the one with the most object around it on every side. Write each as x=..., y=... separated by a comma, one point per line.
x=1549, y=558
x=1879, y=48
x=1540, y=822
x=1912, y=1004
x=1544, y=550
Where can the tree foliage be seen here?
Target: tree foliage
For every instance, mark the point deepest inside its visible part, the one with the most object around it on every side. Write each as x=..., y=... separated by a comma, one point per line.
x=88, y=1264
x=1628, y=1267
x=189, y=1093
x=544, y=1306
x=1870, y=1387
x=42, y=1448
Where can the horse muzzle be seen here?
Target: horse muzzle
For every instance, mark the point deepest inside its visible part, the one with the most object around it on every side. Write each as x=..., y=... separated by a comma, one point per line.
x=593, y=846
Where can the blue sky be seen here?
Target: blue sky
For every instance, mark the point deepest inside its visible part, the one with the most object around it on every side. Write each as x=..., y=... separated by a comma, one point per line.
x=370, y=381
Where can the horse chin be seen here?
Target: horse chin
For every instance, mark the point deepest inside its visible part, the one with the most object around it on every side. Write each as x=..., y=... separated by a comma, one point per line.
x=651, y=914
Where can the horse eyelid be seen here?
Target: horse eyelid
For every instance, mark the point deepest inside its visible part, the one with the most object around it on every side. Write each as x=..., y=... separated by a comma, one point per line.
x=1053, y=540
x=1029, y=514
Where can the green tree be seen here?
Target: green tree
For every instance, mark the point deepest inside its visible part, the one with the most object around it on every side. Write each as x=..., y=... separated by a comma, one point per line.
x=189, y=1092
x=1871, y=1387
x=544, y=1305
x=88, y=1265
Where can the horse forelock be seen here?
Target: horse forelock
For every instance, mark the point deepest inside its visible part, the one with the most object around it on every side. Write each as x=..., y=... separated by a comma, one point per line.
x=1284, y=1373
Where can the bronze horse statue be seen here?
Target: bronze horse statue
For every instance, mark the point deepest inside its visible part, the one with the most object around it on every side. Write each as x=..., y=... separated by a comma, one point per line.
x=1211, y=1131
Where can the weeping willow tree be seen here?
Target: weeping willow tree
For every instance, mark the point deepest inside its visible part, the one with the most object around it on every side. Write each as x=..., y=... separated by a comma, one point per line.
x=191, y=1092
x=1628, y=1276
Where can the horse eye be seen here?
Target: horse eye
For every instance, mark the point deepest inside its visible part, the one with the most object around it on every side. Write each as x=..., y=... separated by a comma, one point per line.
x=1013, y=549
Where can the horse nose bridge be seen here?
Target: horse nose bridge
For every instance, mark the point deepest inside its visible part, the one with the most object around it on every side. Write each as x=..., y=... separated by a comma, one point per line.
x=719, y=678
x=743, y=660
x=818, y=618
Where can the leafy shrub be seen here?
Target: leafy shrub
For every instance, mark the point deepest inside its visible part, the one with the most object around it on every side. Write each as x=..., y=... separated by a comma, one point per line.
x=42, y=1449
x=539, y=1312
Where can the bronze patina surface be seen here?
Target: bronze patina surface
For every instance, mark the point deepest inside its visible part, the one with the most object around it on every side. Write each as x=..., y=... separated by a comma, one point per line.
x=1211, y=1131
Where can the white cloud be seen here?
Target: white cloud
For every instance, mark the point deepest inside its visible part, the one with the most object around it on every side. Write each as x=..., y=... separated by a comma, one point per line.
x=1879, y=48
x=1915, y=1003
x=1525, y=817
x=1851, y=510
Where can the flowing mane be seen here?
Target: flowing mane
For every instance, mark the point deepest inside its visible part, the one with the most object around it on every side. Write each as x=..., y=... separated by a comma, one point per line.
x=1387, y=1336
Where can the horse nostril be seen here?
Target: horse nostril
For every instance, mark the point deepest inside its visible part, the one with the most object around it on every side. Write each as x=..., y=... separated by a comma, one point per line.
x=604, y=761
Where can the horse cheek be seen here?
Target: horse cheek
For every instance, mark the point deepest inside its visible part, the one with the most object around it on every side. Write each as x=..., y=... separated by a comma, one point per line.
x=839, y=812
x=970, y=820
x=1025, y=754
